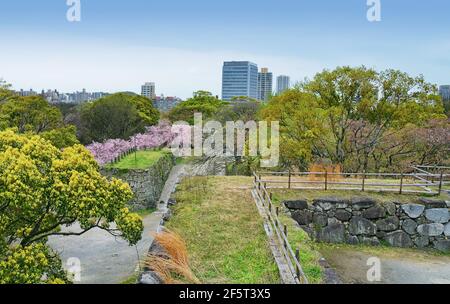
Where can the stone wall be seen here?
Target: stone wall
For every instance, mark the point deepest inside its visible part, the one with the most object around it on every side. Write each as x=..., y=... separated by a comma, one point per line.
x=148, y=184
x=361, y=220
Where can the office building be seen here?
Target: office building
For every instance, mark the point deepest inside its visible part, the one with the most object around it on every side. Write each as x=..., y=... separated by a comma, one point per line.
x=239, y=79
x=265, y=84
x=283, y=83
x=148, y=90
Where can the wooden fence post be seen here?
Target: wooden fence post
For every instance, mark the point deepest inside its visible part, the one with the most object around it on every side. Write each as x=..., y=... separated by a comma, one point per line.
x=441, y=182
x=286, y=235
x=401, y=184
x=277, y=212
x=364, y=182
x=290, y=179
x=326, y=180
x=297, y=257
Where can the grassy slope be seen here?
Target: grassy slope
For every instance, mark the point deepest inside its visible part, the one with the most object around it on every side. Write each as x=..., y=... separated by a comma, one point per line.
x=142, y=160
x=223, y=231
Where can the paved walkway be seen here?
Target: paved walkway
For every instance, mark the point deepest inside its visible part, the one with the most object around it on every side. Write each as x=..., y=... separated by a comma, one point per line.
x=401, y=268
x=105, y=259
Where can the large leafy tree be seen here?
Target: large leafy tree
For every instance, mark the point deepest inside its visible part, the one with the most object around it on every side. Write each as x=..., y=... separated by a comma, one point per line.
x=202, y=102
x=243, y=110
x=118, y=116
x=29, y=114
x=33, y=114
x=372, y=101
x=42, y=189
x=301, y=126
x=348, y=114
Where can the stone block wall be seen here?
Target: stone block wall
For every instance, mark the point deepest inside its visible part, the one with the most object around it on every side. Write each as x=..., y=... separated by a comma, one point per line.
x=147, y=185
x=362, y=220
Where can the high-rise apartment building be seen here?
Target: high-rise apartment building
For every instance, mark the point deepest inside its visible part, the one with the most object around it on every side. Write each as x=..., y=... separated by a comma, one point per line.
x=444, y=91
x=148, y=90
x=265, y=84
x=283, y=83
x=239, y=78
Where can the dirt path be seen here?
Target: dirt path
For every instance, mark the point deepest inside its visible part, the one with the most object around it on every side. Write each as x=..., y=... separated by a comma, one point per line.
x=105, y=259
x=402, y=267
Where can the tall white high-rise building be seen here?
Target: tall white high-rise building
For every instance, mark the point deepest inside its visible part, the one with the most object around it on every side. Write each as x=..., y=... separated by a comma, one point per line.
x=265, y=84
x=283, y=83
x=148, y=90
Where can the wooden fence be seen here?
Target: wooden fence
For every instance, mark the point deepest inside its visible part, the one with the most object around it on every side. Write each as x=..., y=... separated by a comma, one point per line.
x=272, y=213
x=401, y=183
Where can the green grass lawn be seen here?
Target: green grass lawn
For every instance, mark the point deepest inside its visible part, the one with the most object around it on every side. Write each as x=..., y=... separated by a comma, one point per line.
x=139, y=161
x=223, y=231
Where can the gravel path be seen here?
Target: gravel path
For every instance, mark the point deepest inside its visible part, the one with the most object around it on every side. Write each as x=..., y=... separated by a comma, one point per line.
x=401, y=268
x=108, y=260
x=105, y=259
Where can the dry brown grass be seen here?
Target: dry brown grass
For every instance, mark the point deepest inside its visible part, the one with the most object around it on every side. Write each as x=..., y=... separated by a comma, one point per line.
x=172, y=266
x=319, y=168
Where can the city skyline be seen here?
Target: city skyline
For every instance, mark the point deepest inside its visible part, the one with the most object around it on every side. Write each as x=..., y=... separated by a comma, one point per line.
x=106, y=51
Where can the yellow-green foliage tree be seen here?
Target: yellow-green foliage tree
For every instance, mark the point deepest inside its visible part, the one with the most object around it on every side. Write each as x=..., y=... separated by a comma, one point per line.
x=347, y=116
x=42, y=189
x=33, y=114
x=301, y=125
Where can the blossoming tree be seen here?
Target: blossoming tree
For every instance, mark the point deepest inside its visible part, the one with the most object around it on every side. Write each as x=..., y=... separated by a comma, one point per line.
x=42, y=189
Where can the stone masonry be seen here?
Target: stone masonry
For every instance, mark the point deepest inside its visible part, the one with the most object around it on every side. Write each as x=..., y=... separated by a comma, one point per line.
x=362, y=220
x=147, y=184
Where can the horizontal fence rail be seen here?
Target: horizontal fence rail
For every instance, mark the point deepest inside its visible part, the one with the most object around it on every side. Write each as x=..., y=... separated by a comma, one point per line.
x=402, y=183
x=293, y=258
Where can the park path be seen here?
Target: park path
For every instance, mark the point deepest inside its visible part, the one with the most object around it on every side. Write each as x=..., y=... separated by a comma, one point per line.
x=108, y=260
x=405, y=267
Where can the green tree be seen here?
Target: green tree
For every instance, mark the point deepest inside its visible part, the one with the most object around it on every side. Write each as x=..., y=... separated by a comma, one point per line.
x=301, y=126
x=42, y=189
x=5, y=91
x=202, y=102
x=376, y=101
x=62, y=137
x=116, y=116
x=244, y=110
x=29, y=114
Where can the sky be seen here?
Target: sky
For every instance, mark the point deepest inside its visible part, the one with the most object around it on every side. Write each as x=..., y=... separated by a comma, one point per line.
x=181, y=44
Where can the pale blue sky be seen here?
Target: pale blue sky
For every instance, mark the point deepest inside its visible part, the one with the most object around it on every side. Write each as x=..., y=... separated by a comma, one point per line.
x=181, y=44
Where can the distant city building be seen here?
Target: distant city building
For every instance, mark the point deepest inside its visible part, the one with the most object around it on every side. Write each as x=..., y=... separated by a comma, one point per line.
x=444, y=91
x=239, y=78
x=283, y=83
x=148, y=90
x=27, y=93
x=165, y=104
x=265, y=84
x=53, y=96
